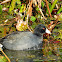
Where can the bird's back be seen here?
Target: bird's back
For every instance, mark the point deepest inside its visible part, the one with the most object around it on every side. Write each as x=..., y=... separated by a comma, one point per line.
x=21, y=40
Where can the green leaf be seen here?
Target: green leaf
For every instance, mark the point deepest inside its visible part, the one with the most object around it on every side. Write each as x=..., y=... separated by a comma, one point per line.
x=39, y=16
x=18, y=1
x=37, y=9
x=42, y=4
x=49, y=4
x=12, y=6
x=53, y=5
x=21, y=9
x=34, y=25
x=18, y=6
x=32, y=18
x=59, y=10
x=50, y=53
x=3, y=59
x=60, y=17
x=0, y=9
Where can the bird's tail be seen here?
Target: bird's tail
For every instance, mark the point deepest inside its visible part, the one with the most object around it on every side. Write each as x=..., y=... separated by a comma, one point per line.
x=1, y=40
x=1, y=43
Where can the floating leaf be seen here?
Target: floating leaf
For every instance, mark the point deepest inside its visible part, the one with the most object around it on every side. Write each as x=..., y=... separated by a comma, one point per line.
x=31, y=56
x=37, y=60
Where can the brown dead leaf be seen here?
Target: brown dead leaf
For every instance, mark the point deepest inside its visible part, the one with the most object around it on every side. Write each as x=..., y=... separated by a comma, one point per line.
x=39, y=3
x=30, y=8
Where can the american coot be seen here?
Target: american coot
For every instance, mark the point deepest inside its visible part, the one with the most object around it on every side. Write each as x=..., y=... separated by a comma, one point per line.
x=24, y=40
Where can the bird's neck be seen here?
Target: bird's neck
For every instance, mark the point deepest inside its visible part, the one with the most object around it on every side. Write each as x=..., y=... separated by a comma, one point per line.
x=37, y=34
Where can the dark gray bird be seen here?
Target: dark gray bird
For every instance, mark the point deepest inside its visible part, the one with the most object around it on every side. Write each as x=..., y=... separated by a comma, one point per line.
x=24, y=40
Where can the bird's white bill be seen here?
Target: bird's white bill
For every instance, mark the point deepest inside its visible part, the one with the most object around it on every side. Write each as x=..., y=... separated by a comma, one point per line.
x=47, y=31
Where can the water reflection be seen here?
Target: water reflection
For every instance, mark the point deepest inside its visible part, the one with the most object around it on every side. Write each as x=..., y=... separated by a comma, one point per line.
x=23, y=56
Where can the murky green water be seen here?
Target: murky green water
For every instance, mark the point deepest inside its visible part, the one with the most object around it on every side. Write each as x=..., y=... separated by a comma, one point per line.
x=23, y=56
x=31, y=56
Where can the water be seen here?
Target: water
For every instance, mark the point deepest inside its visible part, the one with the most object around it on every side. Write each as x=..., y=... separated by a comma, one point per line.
x=32, y=56
x=23, y=56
